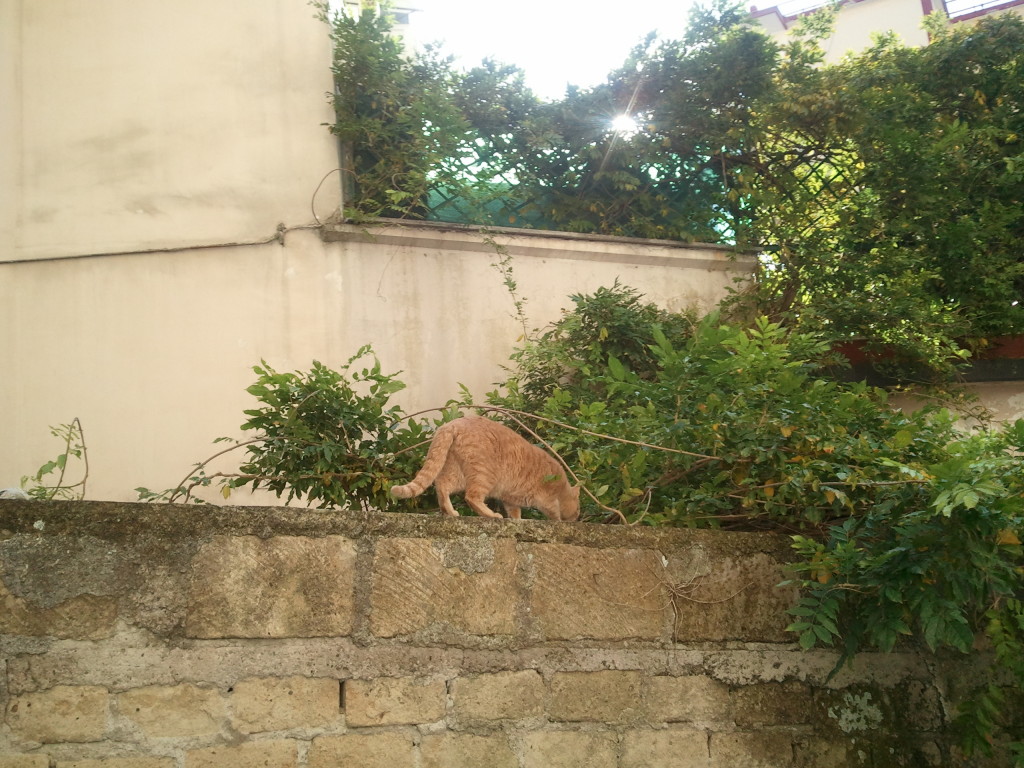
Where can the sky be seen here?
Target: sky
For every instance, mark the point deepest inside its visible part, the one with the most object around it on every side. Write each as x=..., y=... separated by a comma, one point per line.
x=556, y=42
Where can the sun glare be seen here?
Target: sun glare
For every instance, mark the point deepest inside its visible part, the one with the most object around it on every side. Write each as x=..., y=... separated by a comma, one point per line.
x=625, y=124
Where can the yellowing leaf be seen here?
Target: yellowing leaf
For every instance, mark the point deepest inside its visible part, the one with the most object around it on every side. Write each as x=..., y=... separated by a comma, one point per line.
x=1008, y=537
x=823, y=568
x=830, y=496
x=769, y=491
x=786, y=431
x=225, y=491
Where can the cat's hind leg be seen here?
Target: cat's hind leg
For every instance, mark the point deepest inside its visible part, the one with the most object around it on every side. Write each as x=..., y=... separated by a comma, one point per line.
x=476, y=497
x=444, y=501
x=514, y=512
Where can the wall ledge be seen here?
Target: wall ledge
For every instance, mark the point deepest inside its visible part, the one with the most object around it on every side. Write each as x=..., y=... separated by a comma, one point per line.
x=115, y=520
x=542, y=243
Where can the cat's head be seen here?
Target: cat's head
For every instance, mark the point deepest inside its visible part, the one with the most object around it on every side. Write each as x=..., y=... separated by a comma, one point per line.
x=569, y=504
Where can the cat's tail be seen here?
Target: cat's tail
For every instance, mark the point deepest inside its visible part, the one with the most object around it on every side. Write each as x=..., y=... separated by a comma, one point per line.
x=432, y=465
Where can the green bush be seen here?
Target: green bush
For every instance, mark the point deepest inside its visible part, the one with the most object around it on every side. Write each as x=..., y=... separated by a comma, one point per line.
x=326, y=437
x=903, y=526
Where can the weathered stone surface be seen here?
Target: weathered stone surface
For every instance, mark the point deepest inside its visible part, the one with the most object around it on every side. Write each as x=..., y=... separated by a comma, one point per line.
x=686, y=699
x=826, y=753
x=60, y=714
x=920, y=703
x=733, y=599
x=388, y=749
x=281, y=753
x=53, y=569
x=608, y=594
x=679, y=749
x=286, y=586
x=280, y=703
x=177, y=710
x=86, y=617
x=24, y=761
x=464, y=750
x=568, y=749
x=573, y=666
x=135, y=761
x=394, y=701
x=498, y=696
x=467, y=585
x=602, y=697
x=764, y=749
x=791, y=703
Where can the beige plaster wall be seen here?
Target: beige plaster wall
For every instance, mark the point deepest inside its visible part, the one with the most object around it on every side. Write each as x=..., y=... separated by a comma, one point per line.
x=131, y=125
x=859, y=22
x=153, y=352
x=1003, y=399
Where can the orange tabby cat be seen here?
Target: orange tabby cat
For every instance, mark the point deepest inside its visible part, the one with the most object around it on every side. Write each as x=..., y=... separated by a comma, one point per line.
x=487, y=459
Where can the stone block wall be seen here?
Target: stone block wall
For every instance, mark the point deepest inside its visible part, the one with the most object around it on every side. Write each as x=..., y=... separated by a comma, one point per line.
x=153, y=636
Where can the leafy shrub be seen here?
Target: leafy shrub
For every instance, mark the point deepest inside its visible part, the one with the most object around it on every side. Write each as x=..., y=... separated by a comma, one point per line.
x=327, y=437
x=903, y=526
x=738, y=426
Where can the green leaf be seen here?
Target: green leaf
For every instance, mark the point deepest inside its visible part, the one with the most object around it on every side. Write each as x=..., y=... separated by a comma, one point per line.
x=616, y=368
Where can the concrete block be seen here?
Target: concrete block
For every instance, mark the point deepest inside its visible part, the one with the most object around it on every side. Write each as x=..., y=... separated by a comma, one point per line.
x=679, y=749
x=280, y=703
x=185, y=711
x=135, y=761
x=388, y=749
x=828, y=753
x=394, y=701
x=604, y=697
x=736, y=599
x=686, y=699
x=466, y=585
x=569, y=749
x=498, y=696
x=63, y=713
x=286, y=586
x=466, y=750
x=281, y=753
x=24, y=761
x=86, y=617
x=606, y=594
x=789, y=703
x=763, y=749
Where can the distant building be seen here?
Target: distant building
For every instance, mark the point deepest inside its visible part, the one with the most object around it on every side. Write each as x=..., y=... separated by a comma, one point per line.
x=859, y=20
x=401, y=15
